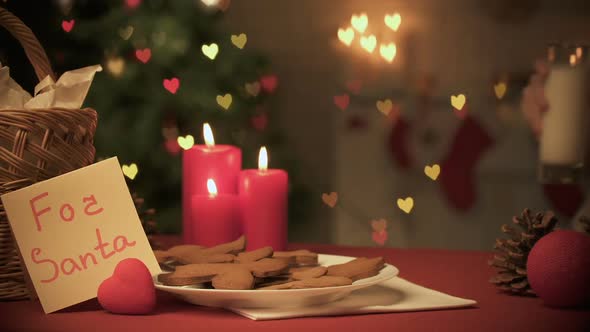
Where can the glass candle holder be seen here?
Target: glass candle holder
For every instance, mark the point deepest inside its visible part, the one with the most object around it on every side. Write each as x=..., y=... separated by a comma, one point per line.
x=565, y=124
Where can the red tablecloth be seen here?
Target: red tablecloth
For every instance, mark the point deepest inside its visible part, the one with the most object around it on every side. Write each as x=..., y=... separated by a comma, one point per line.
x=459, y=273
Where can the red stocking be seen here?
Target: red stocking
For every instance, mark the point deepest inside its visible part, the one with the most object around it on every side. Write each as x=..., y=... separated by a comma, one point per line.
x=457, y=170
x=565, y=198
x=399, y=140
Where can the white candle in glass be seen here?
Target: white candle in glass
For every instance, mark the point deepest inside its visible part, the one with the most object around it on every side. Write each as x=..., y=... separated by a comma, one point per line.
x=564, y=133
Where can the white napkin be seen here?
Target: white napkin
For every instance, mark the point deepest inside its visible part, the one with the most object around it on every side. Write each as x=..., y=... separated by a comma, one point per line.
x=69, y=91
x=394, y=295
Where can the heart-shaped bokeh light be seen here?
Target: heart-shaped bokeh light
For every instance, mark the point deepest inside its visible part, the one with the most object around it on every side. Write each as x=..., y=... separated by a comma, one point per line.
x=130, y=171
x=224, y=101
x=406, y=204
x=330, y=199
x=346, y=36
x=500, y=90
x=432, y=171
x=239, y=40
x=186, y=142
x=388, y=51
x=393, y=21
x=369, y=43
x=115, y=66
x=126, y=32
x=253, y=88
x=360, y=22
x=210, y=50
x=458, y=101
x=385, y=106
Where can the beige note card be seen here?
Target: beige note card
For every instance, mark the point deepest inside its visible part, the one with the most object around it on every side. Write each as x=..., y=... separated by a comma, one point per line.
x=73, y=229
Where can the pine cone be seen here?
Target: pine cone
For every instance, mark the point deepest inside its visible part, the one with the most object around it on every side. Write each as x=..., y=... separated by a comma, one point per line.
x=512, y=253
x=146, y=216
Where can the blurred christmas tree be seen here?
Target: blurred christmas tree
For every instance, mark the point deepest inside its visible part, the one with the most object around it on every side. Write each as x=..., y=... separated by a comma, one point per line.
x=141, y=44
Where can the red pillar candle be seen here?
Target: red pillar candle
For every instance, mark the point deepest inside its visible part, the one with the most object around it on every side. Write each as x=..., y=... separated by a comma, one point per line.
x=263, y=201
x=215, y=217
x=222, y=163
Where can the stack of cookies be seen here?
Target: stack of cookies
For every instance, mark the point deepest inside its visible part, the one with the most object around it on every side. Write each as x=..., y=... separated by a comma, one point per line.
x=228, y=266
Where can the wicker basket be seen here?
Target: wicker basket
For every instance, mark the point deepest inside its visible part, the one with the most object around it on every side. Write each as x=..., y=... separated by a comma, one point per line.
x=35, y=145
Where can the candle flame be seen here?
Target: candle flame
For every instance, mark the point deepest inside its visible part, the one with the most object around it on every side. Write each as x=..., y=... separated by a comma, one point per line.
x=208, y=135
x=211, y=187
x=573, y=60
x=263, y=159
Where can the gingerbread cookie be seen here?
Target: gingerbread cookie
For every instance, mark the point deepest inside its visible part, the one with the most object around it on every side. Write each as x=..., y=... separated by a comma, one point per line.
x=295, y=268
x=323, y=281
x=270, y=281
x=192, y=254
x=174, y=279
x=224, y=276
x=227, y=266
x=356, y=269
x=266, y=267
x=239, y=278
x=221, y=277
x=233, y=248
x=294, y=274
x=254, y=255
x=164, y=256
x=200, y=258
x=313, y=272
x=183, y=248
x=297, y=257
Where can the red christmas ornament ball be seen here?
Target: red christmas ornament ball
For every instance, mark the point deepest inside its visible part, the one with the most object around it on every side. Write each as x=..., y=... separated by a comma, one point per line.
x=558, y=269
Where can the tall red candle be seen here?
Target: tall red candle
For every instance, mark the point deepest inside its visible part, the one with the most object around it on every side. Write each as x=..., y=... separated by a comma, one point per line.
x=263, y=202
x=222, y=163
x=215, y=217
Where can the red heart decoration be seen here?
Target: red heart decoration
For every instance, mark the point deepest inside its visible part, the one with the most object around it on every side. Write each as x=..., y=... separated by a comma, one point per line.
x=132, y=4
x=130, y=291
x=269, y=83
x=143, y=55
x=259, y=121
x=68, y=25
x=380, y=237
x=354, y=86
x=172, y=85
x=342, y=101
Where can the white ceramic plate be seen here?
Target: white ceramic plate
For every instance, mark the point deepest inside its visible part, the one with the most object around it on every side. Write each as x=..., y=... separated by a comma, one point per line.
x=278, y=298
